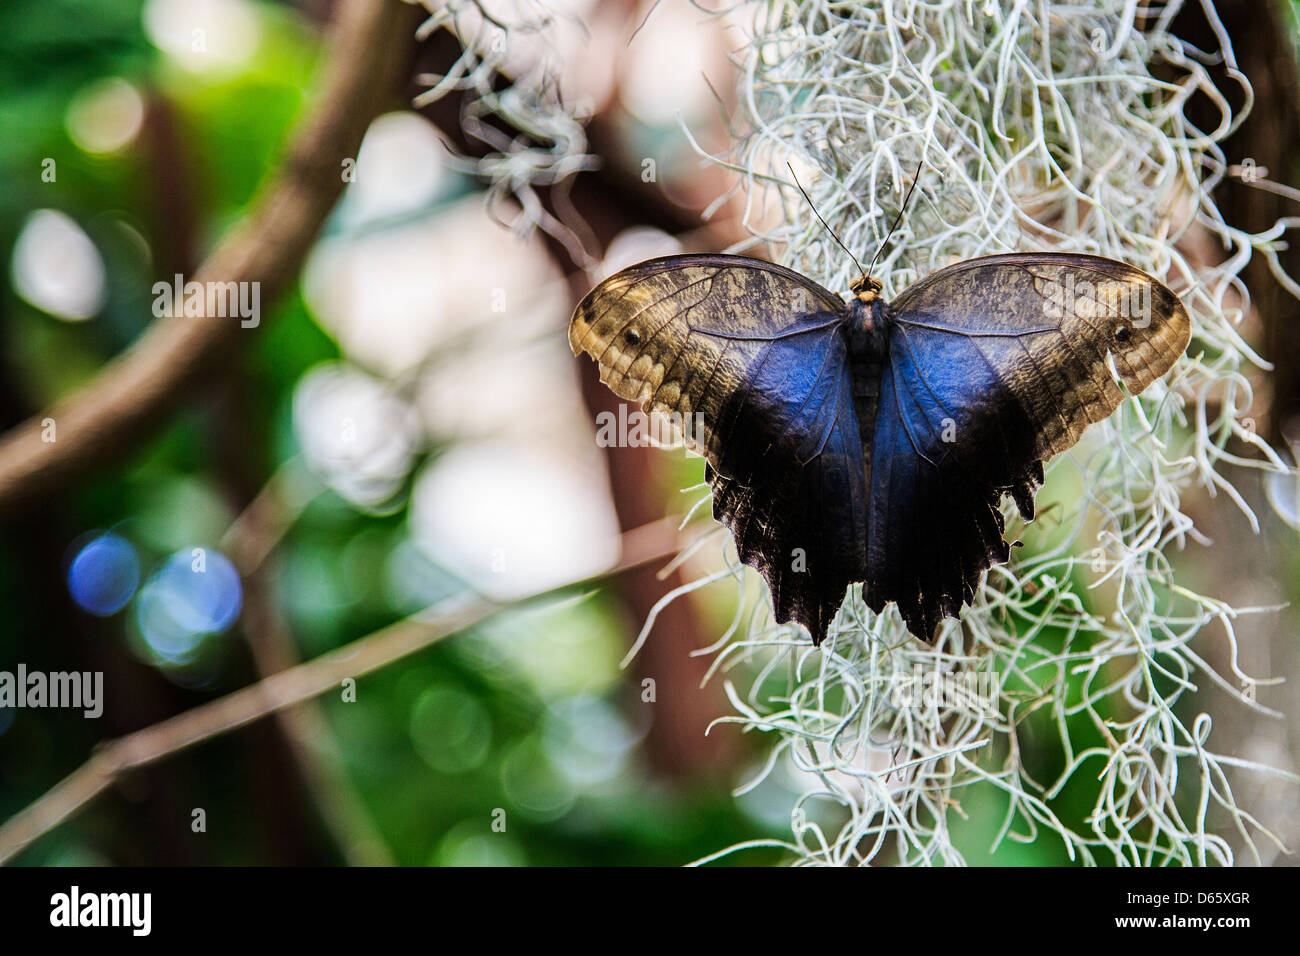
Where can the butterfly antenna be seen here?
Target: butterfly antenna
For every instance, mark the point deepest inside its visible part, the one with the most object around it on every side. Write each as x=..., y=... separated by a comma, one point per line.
x=899, y=218
x=823, y=221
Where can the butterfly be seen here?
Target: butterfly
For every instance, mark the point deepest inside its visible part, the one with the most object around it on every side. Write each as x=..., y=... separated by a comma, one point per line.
x=872, y=441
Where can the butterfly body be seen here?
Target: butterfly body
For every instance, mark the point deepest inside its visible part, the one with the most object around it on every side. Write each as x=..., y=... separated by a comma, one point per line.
x=872, y=441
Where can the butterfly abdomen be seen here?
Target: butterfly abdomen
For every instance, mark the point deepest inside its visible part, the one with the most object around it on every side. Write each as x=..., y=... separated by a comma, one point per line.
x=868, y=351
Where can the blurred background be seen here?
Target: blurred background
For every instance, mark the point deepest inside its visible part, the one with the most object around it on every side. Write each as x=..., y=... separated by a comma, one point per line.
x=407, y=425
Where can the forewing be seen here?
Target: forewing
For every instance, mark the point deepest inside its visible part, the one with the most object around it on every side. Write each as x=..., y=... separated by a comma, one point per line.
x=995, y=365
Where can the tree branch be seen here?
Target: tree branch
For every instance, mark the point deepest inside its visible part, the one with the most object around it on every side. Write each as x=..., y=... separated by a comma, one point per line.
x=640, y=546
x=366, y=61
x=250, y=540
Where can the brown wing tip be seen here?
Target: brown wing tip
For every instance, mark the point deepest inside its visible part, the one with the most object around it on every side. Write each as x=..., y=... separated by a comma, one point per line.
x=579, y=325
x=1178, y=318
x=1173, y=335
x=1184, y=323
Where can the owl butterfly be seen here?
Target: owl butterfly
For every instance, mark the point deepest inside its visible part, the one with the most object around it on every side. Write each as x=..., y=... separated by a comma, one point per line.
x=873, y=441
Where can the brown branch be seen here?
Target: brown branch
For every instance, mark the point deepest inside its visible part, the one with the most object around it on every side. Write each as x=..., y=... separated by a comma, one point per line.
x=366, y=62
x=1262, y=40
x=293, y=686
x=310, y=737
x=250, y=540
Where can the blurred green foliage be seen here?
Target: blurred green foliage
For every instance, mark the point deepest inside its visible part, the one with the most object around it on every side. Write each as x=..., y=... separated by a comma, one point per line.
x=434, y=743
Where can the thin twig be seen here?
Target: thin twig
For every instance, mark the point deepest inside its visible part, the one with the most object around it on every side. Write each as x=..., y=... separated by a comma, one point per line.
x=249, y=541
x=122, y=405
x=640, y=546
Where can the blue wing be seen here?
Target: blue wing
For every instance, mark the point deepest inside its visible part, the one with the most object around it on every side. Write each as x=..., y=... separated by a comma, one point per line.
x=758, y=353
x=992, y=370
x=948, y=442
x=790, y=482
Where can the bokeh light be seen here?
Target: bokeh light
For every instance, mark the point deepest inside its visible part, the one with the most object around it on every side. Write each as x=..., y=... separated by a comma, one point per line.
x=105, y=116
x=557, y=651
x=57, y=268
x=662, y=70
x=534, y=785
x=374, y=290
x=103, y=576
x=636, y=245
x=1282, y=488
x=511, y=519
x=355, y=433
x=400, y=168
x=451, y=729
x=588, y=740
x=204, y=35
x=1283, y=492
x=466, y=844
x=196, y=593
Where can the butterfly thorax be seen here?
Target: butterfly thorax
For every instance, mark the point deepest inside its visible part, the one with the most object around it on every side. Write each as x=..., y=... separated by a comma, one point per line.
x=867, y=320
